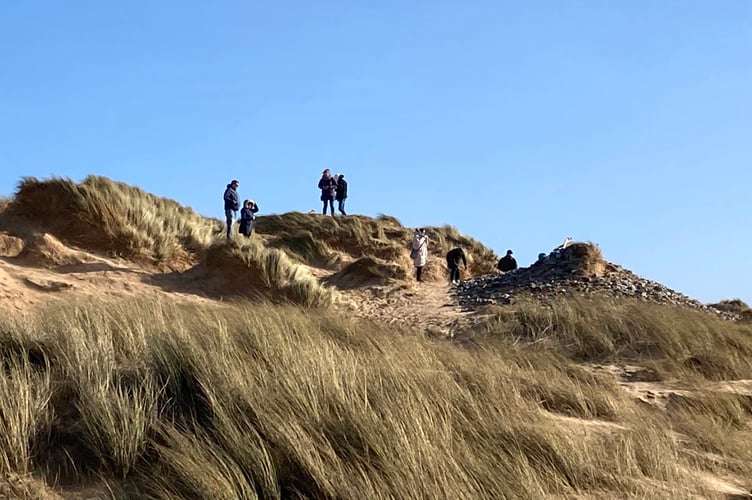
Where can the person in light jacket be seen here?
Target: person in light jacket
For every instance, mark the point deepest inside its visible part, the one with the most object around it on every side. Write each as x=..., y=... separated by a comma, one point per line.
x=419, y=252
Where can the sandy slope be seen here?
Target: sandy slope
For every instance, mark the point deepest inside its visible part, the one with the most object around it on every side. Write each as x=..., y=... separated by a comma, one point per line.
x=24, y=286
x=26, y=283
x=413, y=307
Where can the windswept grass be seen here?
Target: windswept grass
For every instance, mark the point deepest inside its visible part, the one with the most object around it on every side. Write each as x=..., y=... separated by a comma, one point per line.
x=151, y=399
x=355, y=235
x=247, y=268
x=103, y=215
x=716, y=428
x=306, y=248
x=674, y=341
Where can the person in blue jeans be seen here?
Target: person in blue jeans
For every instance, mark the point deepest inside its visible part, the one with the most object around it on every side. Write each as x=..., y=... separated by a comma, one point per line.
x=232, y=204
x=341, y=193
x=328, y=187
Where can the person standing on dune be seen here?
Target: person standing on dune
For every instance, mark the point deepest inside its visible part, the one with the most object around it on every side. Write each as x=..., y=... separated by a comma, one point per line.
x=232, y=204
x=341, y=193
x=328, y=188
x=247, y=217
x=419, y=252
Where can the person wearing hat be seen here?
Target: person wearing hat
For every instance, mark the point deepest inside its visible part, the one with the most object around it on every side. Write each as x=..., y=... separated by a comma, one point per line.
x=507, y=263
x=328, y=187
x=232, y=204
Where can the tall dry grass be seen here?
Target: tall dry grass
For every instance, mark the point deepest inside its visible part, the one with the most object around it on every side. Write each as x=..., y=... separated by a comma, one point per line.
x=700, y=353
x=674, y=341
x=103, y=215
x=154, y=399
x=315, y=239
x=245, y=267
x=354, y=235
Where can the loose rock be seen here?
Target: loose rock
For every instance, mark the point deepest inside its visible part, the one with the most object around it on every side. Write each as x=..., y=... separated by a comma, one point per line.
x=578, y=270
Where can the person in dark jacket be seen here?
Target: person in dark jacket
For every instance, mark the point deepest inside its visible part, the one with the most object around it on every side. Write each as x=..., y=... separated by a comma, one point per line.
x=507, y=263
x=453, y=258
x=247, y=216
x=328, y=187
x=232, y=204
x=341, y=193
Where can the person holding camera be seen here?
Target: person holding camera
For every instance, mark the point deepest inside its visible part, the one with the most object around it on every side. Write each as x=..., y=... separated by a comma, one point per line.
x=419, y=252
x=247, y=217
x=328, y=187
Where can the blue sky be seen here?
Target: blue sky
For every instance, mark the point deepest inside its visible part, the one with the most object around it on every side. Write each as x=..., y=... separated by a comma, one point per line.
x=623, y=123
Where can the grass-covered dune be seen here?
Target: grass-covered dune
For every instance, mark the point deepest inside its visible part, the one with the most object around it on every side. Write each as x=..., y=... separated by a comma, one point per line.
x=158, y=400
x=313, y=238
x=114, y=219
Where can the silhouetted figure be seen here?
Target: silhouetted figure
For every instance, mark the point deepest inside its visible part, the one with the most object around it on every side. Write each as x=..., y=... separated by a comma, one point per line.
x=454, y=257
x=247, y=216
x=419, y=253
x=328, y=187
x=232, y=204
x=507, y=263
x=341, y=193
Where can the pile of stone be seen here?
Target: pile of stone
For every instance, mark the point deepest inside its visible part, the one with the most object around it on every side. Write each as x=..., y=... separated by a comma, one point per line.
x=577, y=270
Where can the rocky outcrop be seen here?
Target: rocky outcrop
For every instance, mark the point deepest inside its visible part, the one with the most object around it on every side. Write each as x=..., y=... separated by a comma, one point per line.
x=578, y=270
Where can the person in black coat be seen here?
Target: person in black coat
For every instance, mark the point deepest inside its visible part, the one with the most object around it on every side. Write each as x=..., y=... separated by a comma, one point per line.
x=232, y=204
x=507, y=263
x=247, y=216
x=328, y=186
x=453, y=258
x=341, y=193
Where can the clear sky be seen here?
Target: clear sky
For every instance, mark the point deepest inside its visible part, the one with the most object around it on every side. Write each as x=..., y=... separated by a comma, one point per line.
x=628, y=124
